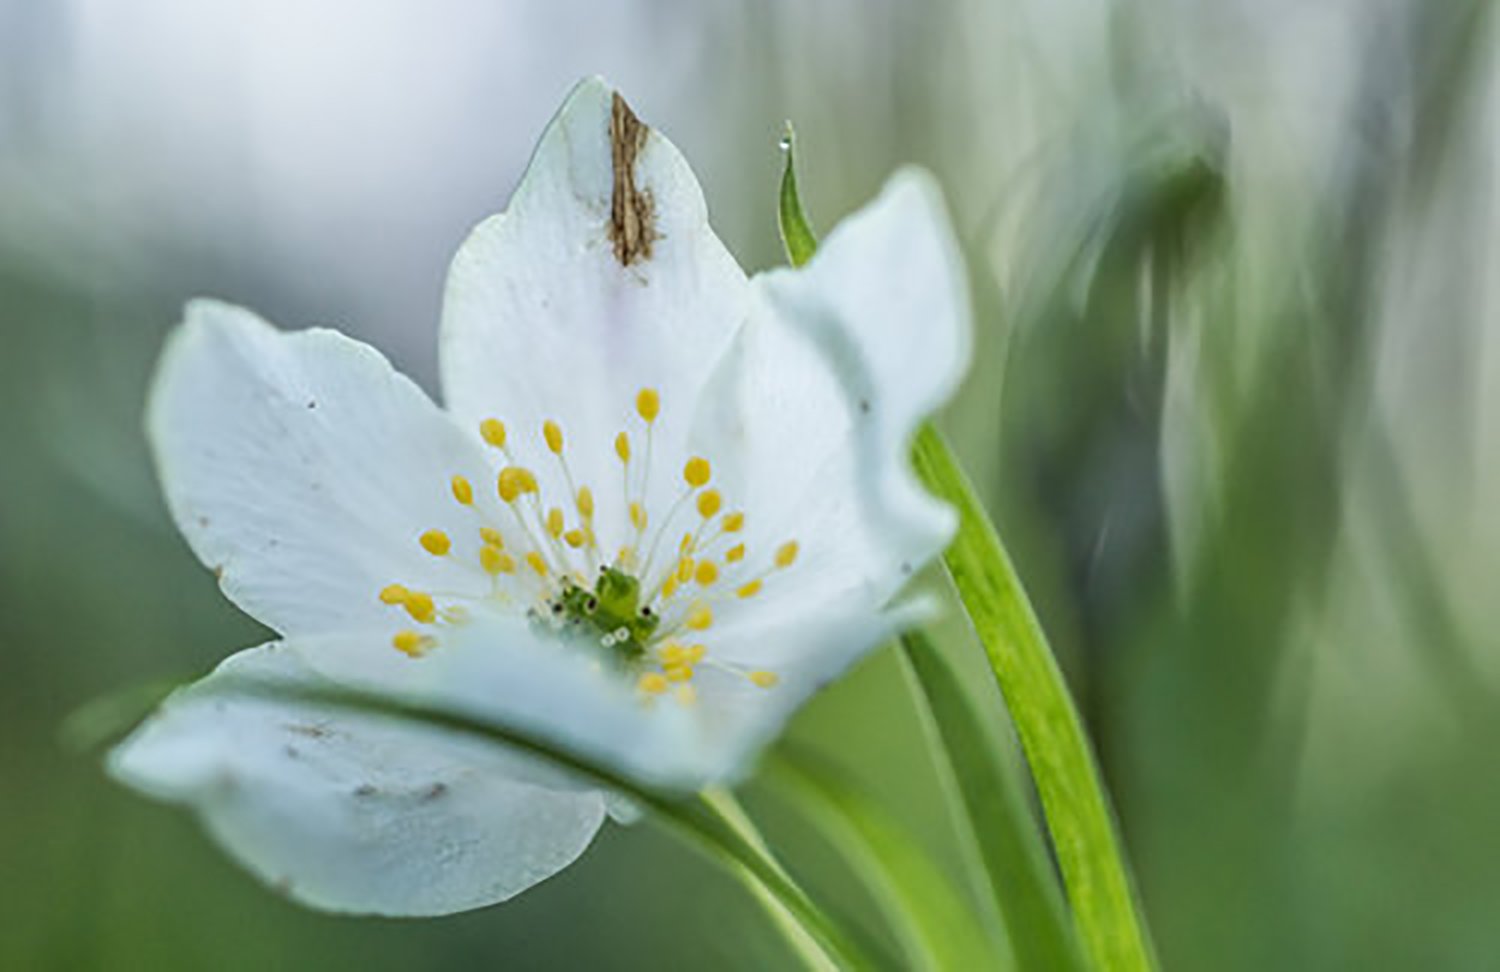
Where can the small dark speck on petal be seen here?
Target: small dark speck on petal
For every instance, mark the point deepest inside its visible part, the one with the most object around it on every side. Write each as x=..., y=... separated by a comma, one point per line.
x=292, y=752
x=435, y=791
x=283, y=886
x=311, y=403
x=905, y=567
x=864, y=406
x=365, y=790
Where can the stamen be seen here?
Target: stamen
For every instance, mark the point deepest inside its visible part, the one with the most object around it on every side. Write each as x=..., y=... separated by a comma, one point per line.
x=421, y=607
x=555, y=522
x=463, y=491
x=709, y=502
x=552, y=432
x=493, y=432
x=686, y=694
x=622, y=447
x=685, y=570
x=411, y=644
x=733, y=522
x=652, y=683
x=701, y=619
x=736, y=553
x=492, y=537
x=749, y=590
x=585, y=502
x=537, y=562
x=697, y=471
x=637, y=515
x=436, y=542
x=764, y=679
x=679, y=673
x=575, y=538
x=786, y=554
x=496, y=561
x=394, y=594
x=707, y=573
x=514, y=482
x=648, y=404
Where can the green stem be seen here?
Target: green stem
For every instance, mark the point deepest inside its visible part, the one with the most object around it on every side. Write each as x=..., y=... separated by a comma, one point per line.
x=723, y=804
x=1051, y=732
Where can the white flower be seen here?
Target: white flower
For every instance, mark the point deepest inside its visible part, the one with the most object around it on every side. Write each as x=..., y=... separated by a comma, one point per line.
x=665, y=504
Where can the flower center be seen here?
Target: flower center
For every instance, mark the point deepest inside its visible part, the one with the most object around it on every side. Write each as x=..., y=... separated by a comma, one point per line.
x=647, y=607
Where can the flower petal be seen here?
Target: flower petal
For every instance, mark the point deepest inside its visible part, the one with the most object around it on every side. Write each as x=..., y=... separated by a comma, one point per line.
x=353, y=813
x=303, y=469
x=601, y=278
x=499, y=668
x=824, y=390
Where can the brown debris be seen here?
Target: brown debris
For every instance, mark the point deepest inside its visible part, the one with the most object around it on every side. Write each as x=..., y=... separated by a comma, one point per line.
x=632, y=217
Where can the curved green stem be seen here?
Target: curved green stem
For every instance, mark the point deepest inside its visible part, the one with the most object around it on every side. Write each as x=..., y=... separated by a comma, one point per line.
x=1062, y=762
x=724, y=805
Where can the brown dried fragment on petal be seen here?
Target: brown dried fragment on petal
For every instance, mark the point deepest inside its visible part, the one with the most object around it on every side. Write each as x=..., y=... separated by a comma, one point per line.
x=632, y=217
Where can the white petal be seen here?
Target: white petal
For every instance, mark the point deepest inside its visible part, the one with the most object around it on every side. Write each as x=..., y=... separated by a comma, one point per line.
x=542, y=319
x=351, y=813
x=303, y=469
x=824, y=389
x=499, y=668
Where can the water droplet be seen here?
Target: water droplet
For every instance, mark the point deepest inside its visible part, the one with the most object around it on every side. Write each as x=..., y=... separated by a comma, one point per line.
x=786, y=143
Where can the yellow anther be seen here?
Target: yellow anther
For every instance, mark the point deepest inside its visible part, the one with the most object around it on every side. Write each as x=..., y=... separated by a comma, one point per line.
x=648, y=404
x=764, y=679
x=585, y=502
x=701, y=619
x=786, y=554
x=679, y=673
x=514, y=482
x=695, y=654
x=537, y=563
x=686, y=694
x=652, y=683
x=685, y=570
x=493, y=432
x=637, y=515
x=733, y=522
x=552, y=432
x=411, y=644
x=394, y=594
x=686, y=544
x=436, y=542
x=496, y=561
x=749, y=590
x=575, y=538
x=555, y=522
x=736, y=553
x=670, y=587
x=462, y=491
x=673, y=653
x=706, y=574
x=697, y=471
x=709, y=502
x=420, y=607
x=622, y=447
x=492, y=537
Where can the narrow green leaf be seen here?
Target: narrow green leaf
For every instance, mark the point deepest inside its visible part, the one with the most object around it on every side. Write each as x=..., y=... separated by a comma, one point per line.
x=994, y=823
x=692, y=818
x=1057, y=750
x=796, y=232
x=935, y=927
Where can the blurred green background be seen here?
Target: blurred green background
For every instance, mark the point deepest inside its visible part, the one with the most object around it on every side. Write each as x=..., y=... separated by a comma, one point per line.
x=1236, y=406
